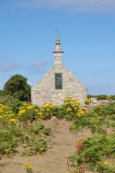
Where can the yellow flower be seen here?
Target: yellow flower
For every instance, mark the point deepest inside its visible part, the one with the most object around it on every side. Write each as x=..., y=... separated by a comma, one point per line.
x=25, y=104
x=106, y=162
x=78, y=114
x=28, y=166
x=44, y=106
x=39, y=114
x=61, y=107
x=81, y=112
x=87, y=101
x=69, y=109
x=22, y=111
x=29, y=107
x=41, y=148
x=99, y=117
x=51, y=105
x=13, y=120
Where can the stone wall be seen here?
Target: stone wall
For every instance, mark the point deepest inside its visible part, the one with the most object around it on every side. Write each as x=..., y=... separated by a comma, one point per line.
x=44, y=91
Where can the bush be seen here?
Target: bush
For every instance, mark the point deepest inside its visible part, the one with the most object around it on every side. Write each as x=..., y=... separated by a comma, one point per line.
x=28, y=113
x=47, y=131
x=95, y=152
x=18, y=87
x=47, y=111
x=2, y=93
x=8, y=139
x=102, y=97
x=35, y=128
x=87, y=101
x=97, y=120
x=39, y=146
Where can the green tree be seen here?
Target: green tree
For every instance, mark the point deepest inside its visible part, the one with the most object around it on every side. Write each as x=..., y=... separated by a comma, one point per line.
x=18, y=87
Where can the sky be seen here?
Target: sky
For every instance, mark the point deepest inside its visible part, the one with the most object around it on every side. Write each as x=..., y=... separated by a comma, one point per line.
x=87, y=34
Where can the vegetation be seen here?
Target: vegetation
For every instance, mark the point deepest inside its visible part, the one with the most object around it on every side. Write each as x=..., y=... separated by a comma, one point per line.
x=18, y=87
x=28, y=168
x=22, y=128
x=98, y=153
x=103, y=97
x=20, y=125
x=70, y=110
x=97, y=120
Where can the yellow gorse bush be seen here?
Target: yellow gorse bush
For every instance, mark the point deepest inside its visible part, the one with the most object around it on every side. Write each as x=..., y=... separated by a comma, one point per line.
x=6, y=114
x=87, y=101
x=71, y=104
x=82, y=111
x=47, y=110
x=29, y=112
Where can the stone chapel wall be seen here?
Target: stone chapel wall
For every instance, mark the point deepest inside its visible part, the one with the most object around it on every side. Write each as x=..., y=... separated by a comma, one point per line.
x=44, y=91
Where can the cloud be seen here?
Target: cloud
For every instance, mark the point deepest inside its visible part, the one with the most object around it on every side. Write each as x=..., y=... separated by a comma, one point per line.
x=98, y=6
x=4, y=67
x=37, y=66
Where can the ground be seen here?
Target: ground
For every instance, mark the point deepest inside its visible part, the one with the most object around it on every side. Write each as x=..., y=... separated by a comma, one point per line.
x=61, y=144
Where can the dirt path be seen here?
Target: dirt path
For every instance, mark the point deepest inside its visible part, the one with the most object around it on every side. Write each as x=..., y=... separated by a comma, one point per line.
x=61, y=145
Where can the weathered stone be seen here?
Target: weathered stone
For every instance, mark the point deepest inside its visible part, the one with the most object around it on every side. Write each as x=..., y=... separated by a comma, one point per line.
x=44, y=91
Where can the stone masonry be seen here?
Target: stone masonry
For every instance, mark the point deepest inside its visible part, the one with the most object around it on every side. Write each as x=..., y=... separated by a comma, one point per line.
x=45, y=91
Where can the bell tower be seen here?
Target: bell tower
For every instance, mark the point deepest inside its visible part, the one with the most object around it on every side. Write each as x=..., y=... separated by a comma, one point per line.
x=58, y=53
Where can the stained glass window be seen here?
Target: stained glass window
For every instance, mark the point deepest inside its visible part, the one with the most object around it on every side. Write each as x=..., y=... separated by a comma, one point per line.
x=58, y=81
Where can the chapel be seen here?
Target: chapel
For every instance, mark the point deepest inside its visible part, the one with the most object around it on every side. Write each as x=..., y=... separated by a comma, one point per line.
x=58, y=83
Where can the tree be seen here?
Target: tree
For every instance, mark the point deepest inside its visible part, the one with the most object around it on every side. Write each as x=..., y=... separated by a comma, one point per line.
x=18, y=87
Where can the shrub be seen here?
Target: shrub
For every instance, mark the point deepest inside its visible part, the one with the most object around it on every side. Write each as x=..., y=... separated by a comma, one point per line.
x=39, y=146
x=60, y=111
x=2, y=93
x=18, y=87
x=70, y=109
x=6, y=115
x=97, y=120
x=30, y=113
x=47, y=131
x=87, y=101
x=15, y=104
x=95, y=152
x=8, y=139
x=35, y=128
x=103, y=97
x=47, y=111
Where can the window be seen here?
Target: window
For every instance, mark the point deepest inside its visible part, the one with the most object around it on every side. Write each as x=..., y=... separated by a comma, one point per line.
x=58, y=81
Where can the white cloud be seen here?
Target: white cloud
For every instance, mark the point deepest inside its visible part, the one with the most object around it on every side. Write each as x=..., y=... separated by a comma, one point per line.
x=75, y=5
x=37, y=66
x=4, y=67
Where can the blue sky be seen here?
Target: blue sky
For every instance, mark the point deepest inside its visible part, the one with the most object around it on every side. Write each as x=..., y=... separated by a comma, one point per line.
x=86, y=31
